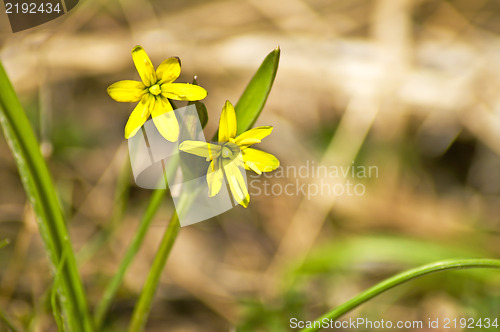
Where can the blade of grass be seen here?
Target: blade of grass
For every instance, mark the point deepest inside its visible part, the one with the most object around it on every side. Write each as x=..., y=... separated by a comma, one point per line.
x=402, y=278
x=113, y=286
x=53, y=297
x=110, y=291
x=42, y=195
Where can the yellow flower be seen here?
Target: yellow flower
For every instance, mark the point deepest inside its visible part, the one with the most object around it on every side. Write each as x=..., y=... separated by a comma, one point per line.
x=153, y=94
x=223, y=156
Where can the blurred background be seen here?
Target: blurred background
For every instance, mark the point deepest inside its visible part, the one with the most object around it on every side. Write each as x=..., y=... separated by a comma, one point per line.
x=408, y=86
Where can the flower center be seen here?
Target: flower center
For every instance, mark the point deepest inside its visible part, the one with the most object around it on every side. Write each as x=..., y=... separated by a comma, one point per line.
x=155, y=89
x=226, y=152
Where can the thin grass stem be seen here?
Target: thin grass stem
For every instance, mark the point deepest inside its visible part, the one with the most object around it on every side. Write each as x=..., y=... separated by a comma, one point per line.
x=143, y=307
x=114, y=284
x=402, y=278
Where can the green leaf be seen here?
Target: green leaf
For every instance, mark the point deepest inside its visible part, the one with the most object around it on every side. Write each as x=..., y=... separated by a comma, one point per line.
x=200, y=108
x=254, y=97
x=58, y=317
x=40, y=190
x=192, y=166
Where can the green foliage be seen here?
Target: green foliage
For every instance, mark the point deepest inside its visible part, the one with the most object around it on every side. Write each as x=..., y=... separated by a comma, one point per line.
x=254, y=97
x=201, y=109
x=403, y=277
x=42, y=195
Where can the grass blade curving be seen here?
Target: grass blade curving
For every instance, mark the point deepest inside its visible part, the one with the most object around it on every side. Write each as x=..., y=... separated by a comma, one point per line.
x=402, y=278
x=40, y=190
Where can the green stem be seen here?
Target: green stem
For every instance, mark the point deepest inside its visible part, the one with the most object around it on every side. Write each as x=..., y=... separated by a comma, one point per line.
x=114, y=284
x=154, y=203
x=143, y=306
x=402, y=278
x=40, y=190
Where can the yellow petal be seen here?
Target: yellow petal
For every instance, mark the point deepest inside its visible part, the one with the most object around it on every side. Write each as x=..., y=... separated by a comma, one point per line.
x=165, y=120
x=168, y=70
x=251, y=166
x=127, y=91
x=214, y=178
x=259, y=160
x=144, y=66
x=227, y=123
x=253, y=136
x=236, y=183
x=202, y=149
x=139, y=115
x=183, y=91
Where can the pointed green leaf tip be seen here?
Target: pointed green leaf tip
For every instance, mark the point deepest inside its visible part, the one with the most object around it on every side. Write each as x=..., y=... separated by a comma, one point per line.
x=254, y=97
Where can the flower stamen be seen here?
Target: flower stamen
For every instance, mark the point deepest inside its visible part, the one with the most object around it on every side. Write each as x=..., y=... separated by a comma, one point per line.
x=155, y=89
x=226, y=152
